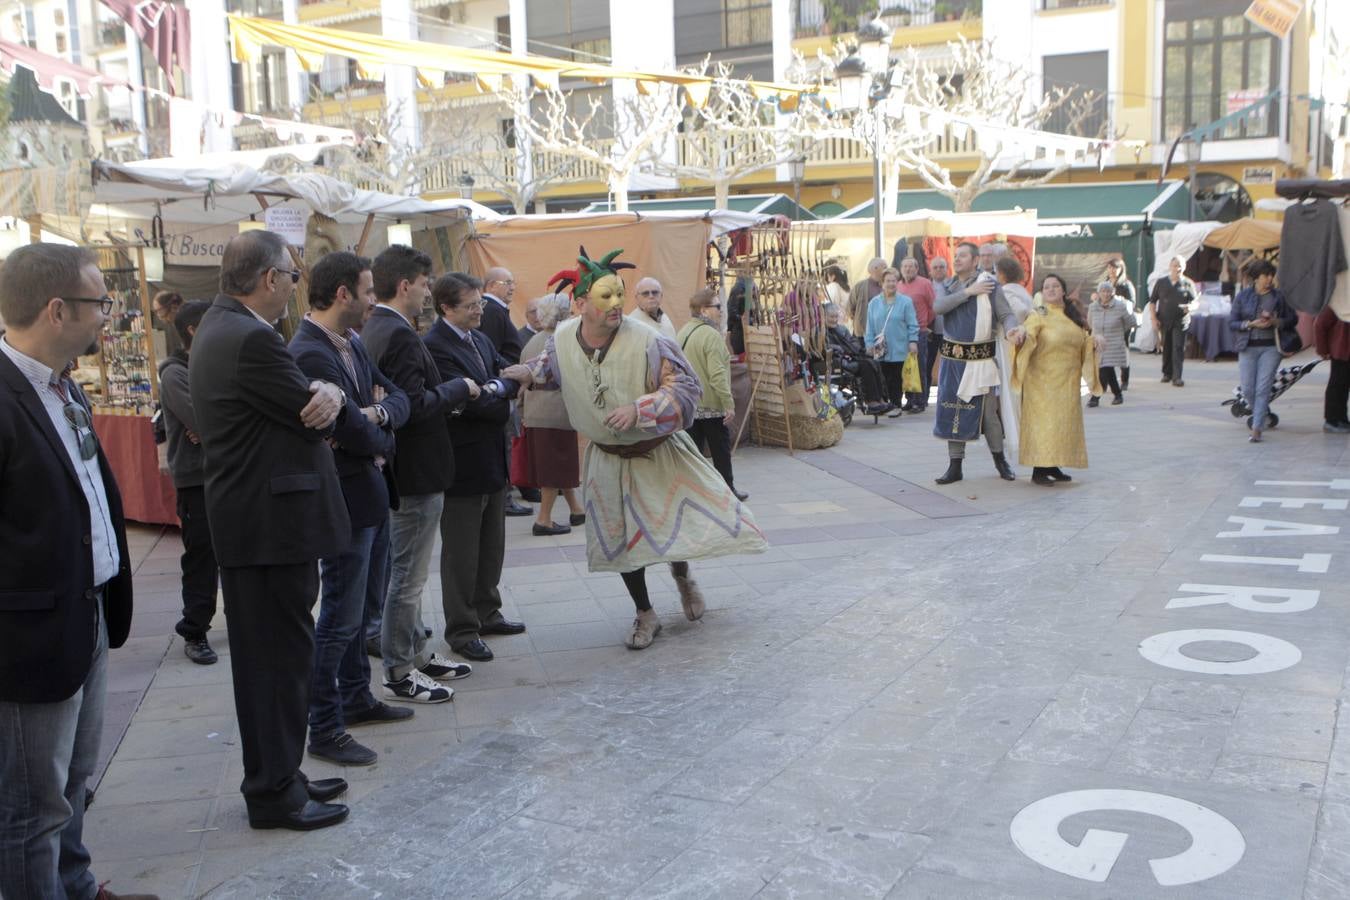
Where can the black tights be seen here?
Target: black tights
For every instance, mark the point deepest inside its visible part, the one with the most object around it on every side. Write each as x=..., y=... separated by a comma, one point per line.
x=636, y=582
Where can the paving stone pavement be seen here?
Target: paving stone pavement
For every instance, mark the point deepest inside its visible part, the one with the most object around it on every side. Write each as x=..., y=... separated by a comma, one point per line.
x=919, y=691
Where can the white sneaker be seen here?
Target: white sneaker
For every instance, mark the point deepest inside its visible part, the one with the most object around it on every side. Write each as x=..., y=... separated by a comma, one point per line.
x=417, y=688
x=439, y=668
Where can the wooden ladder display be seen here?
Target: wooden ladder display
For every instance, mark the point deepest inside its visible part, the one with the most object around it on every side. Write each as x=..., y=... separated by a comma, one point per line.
x=768, y=396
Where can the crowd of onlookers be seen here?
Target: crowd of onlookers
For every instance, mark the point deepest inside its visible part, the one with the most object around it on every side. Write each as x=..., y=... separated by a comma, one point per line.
x=325, y=468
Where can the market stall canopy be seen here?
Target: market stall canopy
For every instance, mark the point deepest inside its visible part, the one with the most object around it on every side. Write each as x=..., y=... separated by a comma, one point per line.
x=1245, y=234
x=760, y=204
x=1112, y=202
x=52, y=70
x=373, y=52
x=223, y=188
x=722, y=221
x=1181, y=241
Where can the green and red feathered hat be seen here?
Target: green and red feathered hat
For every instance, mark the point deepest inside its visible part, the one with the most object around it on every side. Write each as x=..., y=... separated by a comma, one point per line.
x=588, y=272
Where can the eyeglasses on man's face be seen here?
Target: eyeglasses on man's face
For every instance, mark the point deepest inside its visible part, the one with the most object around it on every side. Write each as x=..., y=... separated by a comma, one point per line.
x=294, y=273
x=649, y=293
x=77, y=417
x=105, y=302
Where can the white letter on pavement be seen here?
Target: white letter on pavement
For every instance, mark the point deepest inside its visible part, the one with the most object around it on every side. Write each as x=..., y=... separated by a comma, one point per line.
x=1316, y=563
x=1339, y=484
x=1327, y=503
x=1275, y=528
x=1216, y=844
x=1244, y=597
x=1272, y=654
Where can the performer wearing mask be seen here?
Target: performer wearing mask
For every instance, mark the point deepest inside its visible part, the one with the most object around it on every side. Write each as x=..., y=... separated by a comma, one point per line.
x=650, y=496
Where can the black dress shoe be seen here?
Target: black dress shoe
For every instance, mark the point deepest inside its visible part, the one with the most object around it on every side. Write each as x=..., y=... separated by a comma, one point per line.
x=326, y=789
x=576, y=519
x=373, y=647
x=374, y=715
x=552, y=528
x=515, y=509
x=530, y=495
x=341, y=749
x=1059, y=475
x=307, y=818
x=475, y=650
x=1004, y=470
x=501, y=626
x=1040, y=476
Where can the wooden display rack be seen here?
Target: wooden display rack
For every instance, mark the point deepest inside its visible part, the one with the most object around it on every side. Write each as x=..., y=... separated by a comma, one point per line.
x=123, y=268
x=785, y=262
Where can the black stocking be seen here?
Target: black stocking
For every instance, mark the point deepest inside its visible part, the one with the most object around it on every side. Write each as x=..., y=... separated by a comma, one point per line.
x=636, y=582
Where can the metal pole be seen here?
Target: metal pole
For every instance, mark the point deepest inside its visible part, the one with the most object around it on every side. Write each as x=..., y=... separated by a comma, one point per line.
x=877, y=204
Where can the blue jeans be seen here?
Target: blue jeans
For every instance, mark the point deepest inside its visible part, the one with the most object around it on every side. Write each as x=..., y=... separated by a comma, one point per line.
x=413, y=530
x=1257, y=365
x=47, y=753
x=341, y=679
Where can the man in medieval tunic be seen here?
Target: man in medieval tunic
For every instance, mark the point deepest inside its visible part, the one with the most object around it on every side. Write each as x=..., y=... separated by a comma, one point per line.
x=969, y=376
x=650, y=496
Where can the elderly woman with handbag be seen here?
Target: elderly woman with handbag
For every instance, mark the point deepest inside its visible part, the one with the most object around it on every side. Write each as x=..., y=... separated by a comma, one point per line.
x=892, y=334
x=1112, y=318
x=1261, y=321
x=552, y=459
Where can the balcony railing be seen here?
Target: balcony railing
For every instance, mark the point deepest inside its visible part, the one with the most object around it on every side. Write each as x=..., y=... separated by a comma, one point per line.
x=842, y=17
x=830, y=151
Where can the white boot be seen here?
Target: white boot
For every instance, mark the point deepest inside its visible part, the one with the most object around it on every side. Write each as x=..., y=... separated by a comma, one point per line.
x=691, y=598
x=645, y=629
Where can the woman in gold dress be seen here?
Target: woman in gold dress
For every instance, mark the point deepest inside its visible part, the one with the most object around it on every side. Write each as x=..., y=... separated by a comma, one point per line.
x=1054, y=354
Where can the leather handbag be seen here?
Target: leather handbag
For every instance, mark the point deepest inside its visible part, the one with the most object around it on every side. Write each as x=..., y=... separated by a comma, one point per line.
x=1288, y=340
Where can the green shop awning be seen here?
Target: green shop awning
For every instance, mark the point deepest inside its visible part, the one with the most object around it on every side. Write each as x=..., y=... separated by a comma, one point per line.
x=1106, y=203
x=762, y=204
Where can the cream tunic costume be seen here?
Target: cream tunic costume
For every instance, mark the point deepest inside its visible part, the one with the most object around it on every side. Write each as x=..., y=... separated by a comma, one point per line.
x=666, y=503
x=1046, y=369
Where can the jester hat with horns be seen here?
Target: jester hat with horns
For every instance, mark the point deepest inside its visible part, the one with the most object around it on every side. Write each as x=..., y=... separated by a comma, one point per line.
x=588, y=272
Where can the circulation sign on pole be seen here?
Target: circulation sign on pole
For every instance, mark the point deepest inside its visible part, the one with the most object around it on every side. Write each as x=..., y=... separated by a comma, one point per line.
x=1275, y=16
x=287, y=221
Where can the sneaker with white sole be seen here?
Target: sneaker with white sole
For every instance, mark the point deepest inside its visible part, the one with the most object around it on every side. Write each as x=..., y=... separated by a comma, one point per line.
x=442, y=669
x=417, y=688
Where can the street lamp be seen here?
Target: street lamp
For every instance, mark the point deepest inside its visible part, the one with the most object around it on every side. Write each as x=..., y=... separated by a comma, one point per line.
x=864, y=83
x=465, y=187
x=797, y=172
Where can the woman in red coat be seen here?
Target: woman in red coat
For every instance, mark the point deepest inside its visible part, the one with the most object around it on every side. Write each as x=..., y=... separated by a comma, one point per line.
x=1332, y=337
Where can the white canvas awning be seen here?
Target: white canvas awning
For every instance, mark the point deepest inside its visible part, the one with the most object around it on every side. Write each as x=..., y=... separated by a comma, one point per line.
x=223, y=188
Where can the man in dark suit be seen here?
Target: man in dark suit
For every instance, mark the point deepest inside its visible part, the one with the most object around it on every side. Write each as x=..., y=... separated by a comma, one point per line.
x=473, y=533
x=499, y=289
x=275, y=506
x=65, y=586
x=326, y=347
x=424, y=468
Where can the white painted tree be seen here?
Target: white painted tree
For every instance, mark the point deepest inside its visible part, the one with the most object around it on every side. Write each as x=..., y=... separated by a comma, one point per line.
x=735, y=134
x=478, y=139
x=998, y=94
x=617, y=139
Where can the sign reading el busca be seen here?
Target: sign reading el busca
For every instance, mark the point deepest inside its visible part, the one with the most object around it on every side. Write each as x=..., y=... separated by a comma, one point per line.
x=1275, y=16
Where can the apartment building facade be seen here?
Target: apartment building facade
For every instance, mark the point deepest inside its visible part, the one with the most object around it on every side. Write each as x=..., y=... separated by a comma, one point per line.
x=1157, y=68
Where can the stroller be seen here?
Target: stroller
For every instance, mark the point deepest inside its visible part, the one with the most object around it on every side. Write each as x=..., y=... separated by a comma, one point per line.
x=1284, y=379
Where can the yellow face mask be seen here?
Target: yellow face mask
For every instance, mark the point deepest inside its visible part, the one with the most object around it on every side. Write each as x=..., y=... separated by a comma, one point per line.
x=606, y=294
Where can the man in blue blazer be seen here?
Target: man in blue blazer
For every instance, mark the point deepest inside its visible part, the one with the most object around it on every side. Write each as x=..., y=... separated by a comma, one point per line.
x=326, y=347
x=65, y=586
x=473, y=533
